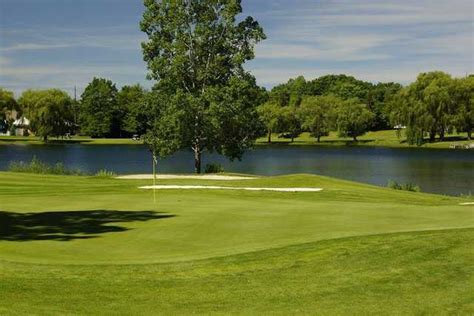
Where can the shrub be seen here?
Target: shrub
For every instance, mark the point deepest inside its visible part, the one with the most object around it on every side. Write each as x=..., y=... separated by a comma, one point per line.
x=104, y=173
x=405, y=187
x=40, y=167
x=214, y=168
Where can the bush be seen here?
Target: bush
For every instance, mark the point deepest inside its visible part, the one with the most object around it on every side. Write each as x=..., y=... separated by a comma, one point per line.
x=40, y=167
x=404, y=187
x=214, y=168
x=104, y=173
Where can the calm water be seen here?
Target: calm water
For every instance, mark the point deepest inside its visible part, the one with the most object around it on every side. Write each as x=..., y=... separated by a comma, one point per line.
x=438, y=171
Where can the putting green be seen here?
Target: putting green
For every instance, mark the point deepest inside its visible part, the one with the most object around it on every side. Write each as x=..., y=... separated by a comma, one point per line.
x=94, y=246
x=80, y=220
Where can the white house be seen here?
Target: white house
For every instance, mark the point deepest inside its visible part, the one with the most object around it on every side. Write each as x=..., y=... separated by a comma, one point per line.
x=22, y=126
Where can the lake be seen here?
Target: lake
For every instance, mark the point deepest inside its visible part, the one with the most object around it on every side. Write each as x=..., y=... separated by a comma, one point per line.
x=438, y=171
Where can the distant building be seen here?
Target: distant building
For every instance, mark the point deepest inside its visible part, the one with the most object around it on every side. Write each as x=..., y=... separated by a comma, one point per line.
x=22, y=126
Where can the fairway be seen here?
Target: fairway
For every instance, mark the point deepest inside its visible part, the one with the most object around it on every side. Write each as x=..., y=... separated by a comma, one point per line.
x=87, y=245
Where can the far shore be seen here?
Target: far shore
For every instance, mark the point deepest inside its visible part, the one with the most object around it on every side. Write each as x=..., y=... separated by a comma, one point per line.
x=386, y=138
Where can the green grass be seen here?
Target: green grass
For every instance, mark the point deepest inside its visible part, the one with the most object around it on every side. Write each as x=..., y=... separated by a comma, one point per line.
x=386, y=138
x=83, y=140
x=87, y=245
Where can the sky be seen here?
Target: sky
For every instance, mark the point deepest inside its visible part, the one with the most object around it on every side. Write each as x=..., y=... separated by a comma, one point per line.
x=65, y=43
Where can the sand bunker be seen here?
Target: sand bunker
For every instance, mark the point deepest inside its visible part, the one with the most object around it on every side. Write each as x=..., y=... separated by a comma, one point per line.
x=178, y=176
x=212, y=187
x=467, y=203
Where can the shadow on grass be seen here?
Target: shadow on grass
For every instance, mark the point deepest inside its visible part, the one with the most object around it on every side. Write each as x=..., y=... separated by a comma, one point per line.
x=446, y=139
x=65, y=226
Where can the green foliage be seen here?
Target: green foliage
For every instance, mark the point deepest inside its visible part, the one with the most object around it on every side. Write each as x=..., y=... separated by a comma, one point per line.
x=104, y=173
x=378, y=100
x=404, y=187
x=49, y=111
x=40, y=167
x=462, y=94
x=131, y=101
x=316, y=113
x=214, y=168
x=343, y=86
x=352, y=118
x=270, y=116
x=425, y=106
x=7, y=105
x=196, y=51
x=290, y=121
x=100, y=115
x=376, y=97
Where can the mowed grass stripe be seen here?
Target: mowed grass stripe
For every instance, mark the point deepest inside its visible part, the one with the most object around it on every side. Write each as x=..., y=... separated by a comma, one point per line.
x=405, y=273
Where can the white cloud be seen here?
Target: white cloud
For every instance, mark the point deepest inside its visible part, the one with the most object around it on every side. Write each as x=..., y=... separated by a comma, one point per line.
x=4, y=60
x=89, y=41
x=340, y=47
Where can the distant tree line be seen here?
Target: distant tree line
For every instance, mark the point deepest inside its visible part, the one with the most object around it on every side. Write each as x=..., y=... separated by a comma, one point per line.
x=102, y=111
x=435, y=104
x=432, y=106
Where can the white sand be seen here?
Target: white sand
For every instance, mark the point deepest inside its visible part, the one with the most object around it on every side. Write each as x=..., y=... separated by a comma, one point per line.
x=467, y=203
x=212, y=187
x=178, y=176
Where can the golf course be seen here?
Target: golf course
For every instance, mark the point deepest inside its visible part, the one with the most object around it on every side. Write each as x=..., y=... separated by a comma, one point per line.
x=102, y=246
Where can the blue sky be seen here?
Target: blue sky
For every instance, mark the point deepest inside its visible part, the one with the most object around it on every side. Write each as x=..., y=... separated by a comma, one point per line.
x=64, y=43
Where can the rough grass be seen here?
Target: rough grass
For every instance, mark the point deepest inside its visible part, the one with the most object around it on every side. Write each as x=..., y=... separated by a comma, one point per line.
x=85, y=245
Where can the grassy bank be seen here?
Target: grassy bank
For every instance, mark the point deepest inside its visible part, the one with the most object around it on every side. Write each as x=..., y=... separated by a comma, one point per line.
x=84, y=245
x=386, y=138
x=83, y=140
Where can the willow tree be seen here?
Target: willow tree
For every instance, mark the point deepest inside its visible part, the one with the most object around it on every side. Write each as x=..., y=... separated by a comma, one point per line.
x=463, y=97
x=195, y=51
x=7, y=105
x=49, y=111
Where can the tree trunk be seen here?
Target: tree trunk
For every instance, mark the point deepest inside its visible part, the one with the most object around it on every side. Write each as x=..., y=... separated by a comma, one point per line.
x=45, y=138
x=197, y=159
x=441, y=134
x=319, y=139
x=469, y=134
x=355, y=138
x=432, y=136
x=269, y=136
x=292, y=138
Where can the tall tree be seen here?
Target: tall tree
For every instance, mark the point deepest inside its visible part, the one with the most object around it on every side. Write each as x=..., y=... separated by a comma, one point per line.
x=353, y=118
x=270, y=116
x=425, y=106
x=7, y=105
x=378, y=98
x=99, y=109
x=316, y=114
x=196, y=49
x=131, y=101
x=49, y=111
x=291, y=121
x=463, y=98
